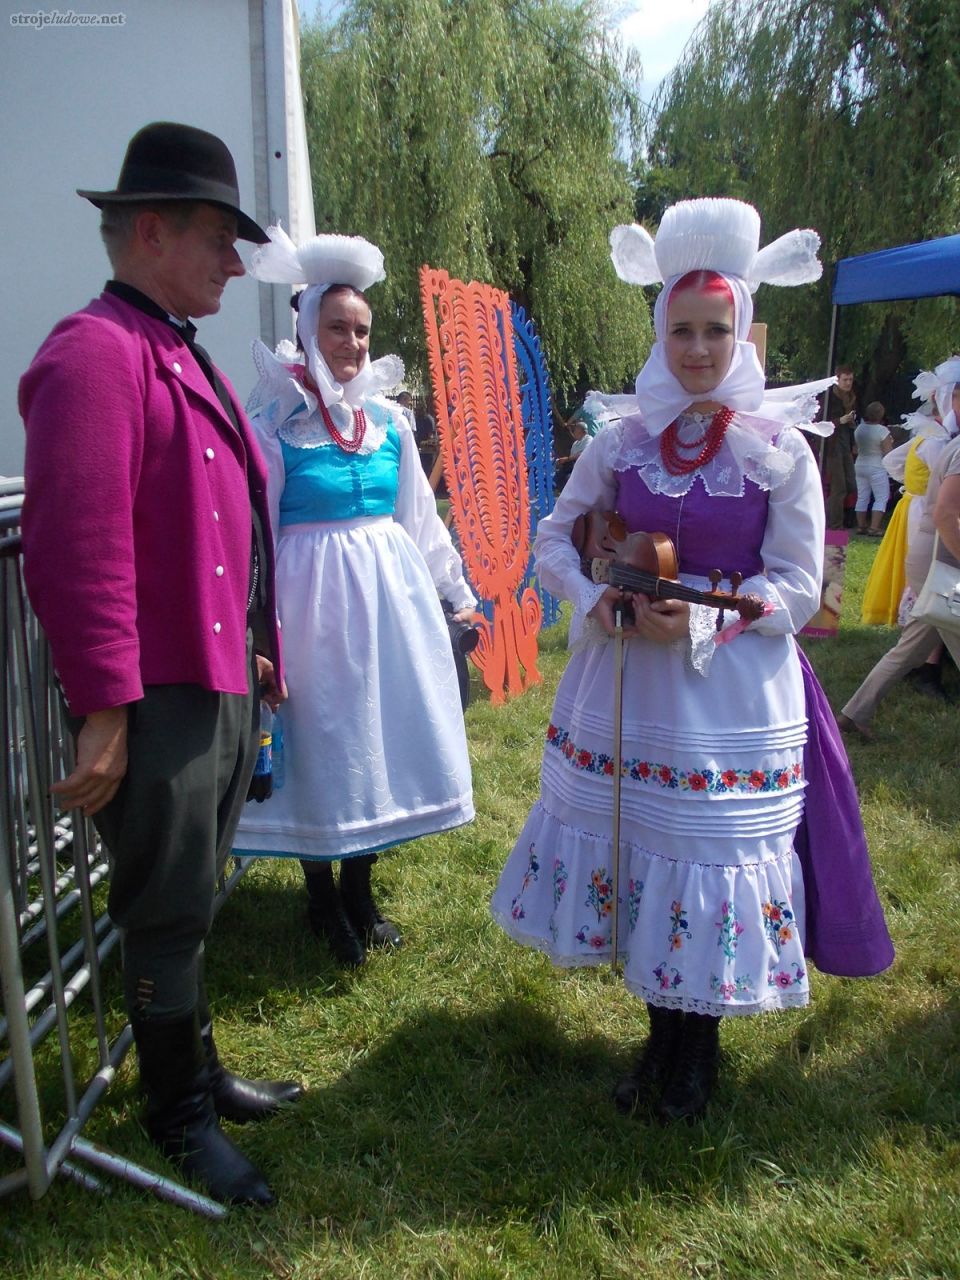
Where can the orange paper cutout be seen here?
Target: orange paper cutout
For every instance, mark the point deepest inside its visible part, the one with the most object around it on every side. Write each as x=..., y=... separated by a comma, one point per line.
x=480, y=429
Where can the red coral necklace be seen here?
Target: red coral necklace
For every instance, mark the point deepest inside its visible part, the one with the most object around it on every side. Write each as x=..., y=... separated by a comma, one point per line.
x=359, y=429
x=337, y=436
x=711, y=440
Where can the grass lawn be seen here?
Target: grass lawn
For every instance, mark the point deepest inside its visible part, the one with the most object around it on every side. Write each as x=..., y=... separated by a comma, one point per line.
x=458, y=1121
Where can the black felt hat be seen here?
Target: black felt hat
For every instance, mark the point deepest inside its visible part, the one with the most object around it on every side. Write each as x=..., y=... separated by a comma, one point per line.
x=177, y=162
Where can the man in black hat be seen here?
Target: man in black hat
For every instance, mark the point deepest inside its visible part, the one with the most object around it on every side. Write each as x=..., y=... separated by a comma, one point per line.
x=149, y=562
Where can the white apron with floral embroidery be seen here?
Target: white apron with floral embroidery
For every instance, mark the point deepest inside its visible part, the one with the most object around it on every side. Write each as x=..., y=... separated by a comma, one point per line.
x=711, y=891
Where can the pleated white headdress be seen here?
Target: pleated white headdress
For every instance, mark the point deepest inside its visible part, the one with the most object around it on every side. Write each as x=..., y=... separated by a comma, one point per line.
x=723, y=236
x=319, y=263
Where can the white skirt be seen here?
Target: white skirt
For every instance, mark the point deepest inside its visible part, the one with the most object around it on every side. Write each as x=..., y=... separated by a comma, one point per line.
x=710, y=904
x=374, y=747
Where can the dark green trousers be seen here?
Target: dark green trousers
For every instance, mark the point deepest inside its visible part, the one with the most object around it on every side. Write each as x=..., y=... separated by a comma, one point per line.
x=169, y=831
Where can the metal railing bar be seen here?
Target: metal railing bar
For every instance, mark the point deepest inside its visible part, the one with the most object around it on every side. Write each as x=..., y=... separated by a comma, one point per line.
x=89, y=926
x=37, y=788
x=40, y=990
x=164, y=1188
x=34, y=914
x=49, y=1018
x=16, y=1181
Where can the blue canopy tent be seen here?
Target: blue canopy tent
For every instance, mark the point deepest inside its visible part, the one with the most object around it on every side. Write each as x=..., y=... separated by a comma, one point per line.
x=923, y=270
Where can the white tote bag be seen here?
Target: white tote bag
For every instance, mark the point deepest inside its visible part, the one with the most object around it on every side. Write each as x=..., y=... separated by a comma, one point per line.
x=938, y=604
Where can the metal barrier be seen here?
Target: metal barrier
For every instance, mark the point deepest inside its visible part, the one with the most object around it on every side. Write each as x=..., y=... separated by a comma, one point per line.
x=52, y=878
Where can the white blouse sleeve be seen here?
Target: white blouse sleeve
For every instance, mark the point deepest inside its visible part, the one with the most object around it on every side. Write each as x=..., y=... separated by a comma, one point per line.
x=895, y=462
x=416, y=511
x=792, y=547
x=592, y=486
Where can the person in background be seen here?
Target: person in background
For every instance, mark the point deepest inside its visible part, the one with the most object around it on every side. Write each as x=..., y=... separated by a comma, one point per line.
x=887, y=596
x=375, y=751
x=873, y=442
x=149, y=561
x=919, y=643
x=405, y=400
x=564, y=465
x=717, y=786
x=838, y=467
x=426, y=425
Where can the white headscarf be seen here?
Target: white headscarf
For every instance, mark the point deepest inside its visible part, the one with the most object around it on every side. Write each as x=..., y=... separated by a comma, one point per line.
x=320, y=263
x=721, y=236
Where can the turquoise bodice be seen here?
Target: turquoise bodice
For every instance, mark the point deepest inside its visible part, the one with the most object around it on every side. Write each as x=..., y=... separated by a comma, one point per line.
x=327, y=484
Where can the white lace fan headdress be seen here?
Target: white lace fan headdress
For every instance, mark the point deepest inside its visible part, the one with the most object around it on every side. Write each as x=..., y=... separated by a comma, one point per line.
x=319, y=263
x=723, y=236
x=939, y=387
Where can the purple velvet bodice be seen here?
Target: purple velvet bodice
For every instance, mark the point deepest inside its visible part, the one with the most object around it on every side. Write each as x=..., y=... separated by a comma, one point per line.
x=708, y=533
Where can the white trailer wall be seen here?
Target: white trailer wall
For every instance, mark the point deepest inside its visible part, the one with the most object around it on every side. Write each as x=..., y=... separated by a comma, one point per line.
x=72, y=95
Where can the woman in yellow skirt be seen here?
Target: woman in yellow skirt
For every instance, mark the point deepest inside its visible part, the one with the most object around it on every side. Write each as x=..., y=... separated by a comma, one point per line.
x=883, y=593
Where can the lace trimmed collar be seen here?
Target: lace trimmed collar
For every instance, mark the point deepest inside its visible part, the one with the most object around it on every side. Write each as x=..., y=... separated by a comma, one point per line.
x=750, y=450
x=284, y=407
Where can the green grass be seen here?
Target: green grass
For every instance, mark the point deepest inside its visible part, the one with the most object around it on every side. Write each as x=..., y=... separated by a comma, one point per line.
x=458, y=1121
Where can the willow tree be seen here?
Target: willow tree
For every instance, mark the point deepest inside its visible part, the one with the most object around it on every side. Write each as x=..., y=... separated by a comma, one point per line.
x=491, y=139
x=843, y=116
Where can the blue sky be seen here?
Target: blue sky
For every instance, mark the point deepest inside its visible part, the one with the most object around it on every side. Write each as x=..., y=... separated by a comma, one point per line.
x=657, y=29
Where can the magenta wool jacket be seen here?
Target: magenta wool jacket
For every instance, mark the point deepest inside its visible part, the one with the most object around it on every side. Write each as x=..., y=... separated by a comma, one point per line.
x=136, y=516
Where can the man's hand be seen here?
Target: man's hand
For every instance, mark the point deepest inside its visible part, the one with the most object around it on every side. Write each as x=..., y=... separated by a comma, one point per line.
x=270, y=693
x=101, y=762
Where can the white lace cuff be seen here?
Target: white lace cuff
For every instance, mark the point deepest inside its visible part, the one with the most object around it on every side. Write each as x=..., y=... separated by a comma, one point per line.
x=583, y=629
x=703, y=637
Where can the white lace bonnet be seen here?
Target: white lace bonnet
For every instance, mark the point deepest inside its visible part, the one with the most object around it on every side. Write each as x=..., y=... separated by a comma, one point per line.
x=319, y=263
x=721, y=235
x=937, y=386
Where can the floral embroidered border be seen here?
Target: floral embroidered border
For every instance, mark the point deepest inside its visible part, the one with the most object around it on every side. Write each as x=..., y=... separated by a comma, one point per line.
x=718, y=781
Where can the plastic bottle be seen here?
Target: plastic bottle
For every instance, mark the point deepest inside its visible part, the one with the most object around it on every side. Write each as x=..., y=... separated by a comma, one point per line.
x=261, y=784
x=279, y=771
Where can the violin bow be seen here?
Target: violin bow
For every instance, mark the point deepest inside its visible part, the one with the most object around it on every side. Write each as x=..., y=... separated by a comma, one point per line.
x=617, y=761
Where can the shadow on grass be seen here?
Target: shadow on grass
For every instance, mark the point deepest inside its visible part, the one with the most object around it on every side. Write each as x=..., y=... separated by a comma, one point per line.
x=504, y=1115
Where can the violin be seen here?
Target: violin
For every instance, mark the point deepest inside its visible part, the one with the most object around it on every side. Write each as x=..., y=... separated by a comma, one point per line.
x=646, y=563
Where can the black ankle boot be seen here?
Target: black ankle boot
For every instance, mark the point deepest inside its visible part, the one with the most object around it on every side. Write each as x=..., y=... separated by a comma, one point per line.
x=644, y=1082
x=357, y=895
x=180, y=1117
x=328, y=917
x=242, y=1100
x=234, y=1098
x=691, y=1081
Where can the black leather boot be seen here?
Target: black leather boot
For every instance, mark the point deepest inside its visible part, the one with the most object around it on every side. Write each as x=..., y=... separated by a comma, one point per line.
x=180, y=1117
x=234, y=1098
x=695, y=1071
x=357, y=895
x=328, y=917
x=645, y=1081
